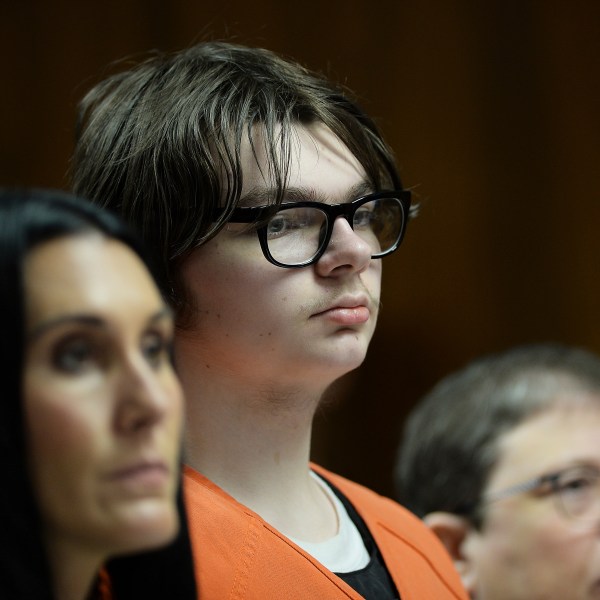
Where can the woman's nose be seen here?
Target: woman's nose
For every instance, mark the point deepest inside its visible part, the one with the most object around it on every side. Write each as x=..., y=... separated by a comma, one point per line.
x=142, y=400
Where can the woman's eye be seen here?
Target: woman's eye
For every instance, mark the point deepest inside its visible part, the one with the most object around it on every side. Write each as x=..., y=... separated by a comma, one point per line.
x=156, y=348
x=73, y=356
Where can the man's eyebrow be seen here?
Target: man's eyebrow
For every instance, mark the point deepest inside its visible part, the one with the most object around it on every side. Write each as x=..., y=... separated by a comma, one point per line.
x=362, y=188
x=258, y=197
x=266, y=196
x=87, y=321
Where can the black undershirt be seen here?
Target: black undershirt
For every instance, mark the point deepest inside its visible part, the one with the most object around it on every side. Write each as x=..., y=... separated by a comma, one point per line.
x=373, y=582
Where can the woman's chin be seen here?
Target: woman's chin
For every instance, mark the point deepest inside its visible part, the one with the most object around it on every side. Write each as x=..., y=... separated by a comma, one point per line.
x=149, y=527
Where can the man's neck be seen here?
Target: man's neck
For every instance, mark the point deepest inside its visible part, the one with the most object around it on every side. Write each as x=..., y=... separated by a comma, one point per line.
x=255, y=445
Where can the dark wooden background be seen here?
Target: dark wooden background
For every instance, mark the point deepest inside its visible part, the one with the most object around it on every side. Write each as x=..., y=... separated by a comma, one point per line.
x=493, y=109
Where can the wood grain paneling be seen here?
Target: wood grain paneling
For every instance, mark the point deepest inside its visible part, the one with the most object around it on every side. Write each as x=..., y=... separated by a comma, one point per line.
x=492, y=109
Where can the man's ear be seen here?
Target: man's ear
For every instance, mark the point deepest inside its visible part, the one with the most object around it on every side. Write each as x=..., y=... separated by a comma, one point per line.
x=454, y=532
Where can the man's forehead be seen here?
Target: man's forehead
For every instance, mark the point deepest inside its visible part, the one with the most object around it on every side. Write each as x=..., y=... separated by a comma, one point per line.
x=314, y=160
x=549, y=438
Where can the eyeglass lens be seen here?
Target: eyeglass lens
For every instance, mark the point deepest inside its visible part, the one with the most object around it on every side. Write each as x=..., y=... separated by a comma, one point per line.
x=297, y=234
x=579, y=492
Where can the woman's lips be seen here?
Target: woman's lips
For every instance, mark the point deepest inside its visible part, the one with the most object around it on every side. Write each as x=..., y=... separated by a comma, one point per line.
x=142, y=478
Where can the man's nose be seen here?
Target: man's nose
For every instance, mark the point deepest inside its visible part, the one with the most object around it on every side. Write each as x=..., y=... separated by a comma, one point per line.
x=346, y=252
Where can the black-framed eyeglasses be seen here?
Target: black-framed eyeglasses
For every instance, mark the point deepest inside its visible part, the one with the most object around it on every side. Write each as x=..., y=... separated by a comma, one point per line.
x=576, y=490
x=296, y=234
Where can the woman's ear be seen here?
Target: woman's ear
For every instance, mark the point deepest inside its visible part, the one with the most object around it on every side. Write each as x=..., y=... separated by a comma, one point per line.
x=454, y=532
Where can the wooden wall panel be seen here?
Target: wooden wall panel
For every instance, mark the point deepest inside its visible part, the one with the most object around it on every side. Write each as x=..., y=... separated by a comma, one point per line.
x=492, y=109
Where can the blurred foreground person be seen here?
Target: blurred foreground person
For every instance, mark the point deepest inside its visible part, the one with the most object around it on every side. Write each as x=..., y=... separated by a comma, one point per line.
x=91, y=412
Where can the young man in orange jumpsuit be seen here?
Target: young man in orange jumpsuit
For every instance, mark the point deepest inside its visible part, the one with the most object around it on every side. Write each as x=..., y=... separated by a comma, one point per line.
x=270, y=198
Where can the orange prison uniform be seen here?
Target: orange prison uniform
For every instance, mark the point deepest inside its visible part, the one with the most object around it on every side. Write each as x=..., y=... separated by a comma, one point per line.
x=238, y=555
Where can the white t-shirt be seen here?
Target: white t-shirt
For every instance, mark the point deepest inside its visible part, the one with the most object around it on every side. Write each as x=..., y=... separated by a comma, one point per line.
x=344, y=552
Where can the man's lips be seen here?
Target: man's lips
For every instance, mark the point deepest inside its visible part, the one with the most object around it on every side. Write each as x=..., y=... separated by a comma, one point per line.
x=354, y=315
x=349, y=311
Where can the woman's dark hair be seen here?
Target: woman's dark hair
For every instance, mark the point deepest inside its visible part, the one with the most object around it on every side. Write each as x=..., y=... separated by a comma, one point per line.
x=29, y=218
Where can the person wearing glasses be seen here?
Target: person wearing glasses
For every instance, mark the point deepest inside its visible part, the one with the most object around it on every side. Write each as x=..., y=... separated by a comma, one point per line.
x=269, y=198
x=502, y=461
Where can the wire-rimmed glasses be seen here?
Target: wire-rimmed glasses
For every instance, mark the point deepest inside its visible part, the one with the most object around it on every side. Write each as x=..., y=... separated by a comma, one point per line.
x=296, y=234
x=576, y=490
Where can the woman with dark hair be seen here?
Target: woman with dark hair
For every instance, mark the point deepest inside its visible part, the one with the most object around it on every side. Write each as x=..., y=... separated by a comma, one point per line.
x=91, y=410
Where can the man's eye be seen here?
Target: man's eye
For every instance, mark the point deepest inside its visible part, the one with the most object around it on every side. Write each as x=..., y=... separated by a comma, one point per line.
x=294, y=220
x=575, y=484
x=286, y=222
x=578, y=483
x=363, y=217
x=277, y=226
